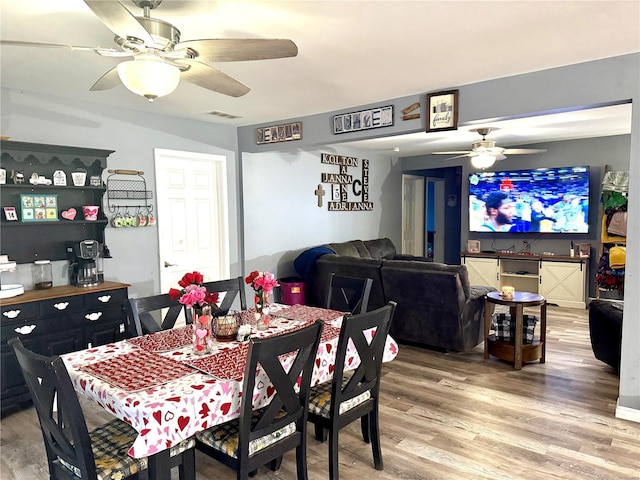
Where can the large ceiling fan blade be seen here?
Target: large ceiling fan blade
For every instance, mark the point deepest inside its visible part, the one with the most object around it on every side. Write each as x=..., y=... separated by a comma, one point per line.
x=522, y=151
x=119, y=20
x=208, y=77
x=465, y=152
x=468, y=154
x=240, y=49
x=107, y=81
x=109, y=52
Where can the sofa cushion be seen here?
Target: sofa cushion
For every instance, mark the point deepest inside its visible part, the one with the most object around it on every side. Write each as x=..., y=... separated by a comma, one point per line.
x=461, y=270
x=345, y=249
x=381, y=248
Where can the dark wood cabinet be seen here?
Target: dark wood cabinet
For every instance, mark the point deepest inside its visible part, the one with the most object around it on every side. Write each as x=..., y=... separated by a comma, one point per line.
x=56, y=321
x=25, y=242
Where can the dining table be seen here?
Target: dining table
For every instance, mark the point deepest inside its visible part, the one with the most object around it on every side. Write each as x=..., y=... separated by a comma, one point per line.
x=168, y=393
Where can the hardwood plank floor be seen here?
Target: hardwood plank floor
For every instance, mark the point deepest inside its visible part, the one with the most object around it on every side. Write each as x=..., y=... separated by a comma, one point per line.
x=450, y=416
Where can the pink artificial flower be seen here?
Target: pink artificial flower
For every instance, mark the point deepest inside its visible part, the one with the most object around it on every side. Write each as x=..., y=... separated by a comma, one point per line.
x=193, y=294
x=267, y=281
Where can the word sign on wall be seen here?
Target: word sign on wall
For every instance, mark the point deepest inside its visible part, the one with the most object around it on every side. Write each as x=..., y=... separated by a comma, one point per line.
x=348, y=193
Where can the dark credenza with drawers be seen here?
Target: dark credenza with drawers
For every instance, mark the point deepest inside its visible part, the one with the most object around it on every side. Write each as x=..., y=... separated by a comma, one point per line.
x=56, y=321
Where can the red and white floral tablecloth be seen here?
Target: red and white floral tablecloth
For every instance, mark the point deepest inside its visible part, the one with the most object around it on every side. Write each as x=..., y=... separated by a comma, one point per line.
x=177, y=408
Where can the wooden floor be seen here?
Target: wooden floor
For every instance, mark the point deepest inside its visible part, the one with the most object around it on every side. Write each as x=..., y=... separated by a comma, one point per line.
x=451, y=416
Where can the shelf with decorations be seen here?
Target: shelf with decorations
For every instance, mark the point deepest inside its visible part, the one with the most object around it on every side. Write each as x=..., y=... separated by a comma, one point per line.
x=45, y=190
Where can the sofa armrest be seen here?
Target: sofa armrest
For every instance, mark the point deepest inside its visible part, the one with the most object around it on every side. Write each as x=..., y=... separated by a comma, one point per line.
x=479, y=291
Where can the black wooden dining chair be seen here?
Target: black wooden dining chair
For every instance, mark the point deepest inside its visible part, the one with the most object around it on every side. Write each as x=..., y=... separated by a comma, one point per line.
x=72, y=451
x=140, y=320
x=263, y=436
x=348, y=294
x=230, y=290
x=353, y=395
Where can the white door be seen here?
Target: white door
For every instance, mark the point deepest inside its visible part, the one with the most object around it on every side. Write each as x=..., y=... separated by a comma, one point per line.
x=413, y=215
x=192, y=216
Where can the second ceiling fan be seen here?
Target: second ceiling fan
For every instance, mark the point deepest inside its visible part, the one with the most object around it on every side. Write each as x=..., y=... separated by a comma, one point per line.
x=484, y=153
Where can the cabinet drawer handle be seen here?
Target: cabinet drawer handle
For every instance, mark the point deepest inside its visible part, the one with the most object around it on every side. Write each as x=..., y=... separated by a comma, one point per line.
x=61, y=305
x=25, y=329
x=11, y=313
x=93, y=316
x=104, y=298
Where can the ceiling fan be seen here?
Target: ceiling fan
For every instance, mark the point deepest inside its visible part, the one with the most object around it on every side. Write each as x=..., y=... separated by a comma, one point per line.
x=160, y=60
x=484, y=153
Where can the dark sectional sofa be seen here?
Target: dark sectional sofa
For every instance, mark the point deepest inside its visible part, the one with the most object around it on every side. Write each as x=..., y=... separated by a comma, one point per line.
x=437, y=307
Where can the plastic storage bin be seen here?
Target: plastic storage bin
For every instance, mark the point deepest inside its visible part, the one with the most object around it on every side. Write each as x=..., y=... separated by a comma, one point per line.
x=292, y=291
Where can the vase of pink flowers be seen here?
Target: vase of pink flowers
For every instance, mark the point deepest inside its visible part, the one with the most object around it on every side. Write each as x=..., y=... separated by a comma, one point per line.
x=263, y=284
x=199, y=304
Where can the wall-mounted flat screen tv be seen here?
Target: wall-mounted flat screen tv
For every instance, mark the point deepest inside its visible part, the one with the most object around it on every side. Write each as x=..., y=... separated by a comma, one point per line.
x=545, y=200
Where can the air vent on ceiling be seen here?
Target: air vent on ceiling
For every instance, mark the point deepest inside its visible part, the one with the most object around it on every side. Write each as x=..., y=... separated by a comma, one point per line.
x=216, y=113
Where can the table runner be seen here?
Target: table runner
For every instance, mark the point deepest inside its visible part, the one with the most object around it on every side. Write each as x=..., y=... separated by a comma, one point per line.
x=229, y=363
x=309, y=314
x=137, y=370
x=165, y=340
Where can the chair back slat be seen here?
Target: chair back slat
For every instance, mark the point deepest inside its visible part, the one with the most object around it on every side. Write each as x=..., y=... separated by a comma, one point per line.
x=348, y=294
x=140, y=320
x=367, y=375
x=231, y=288
x=62, y=422
x=291, y=387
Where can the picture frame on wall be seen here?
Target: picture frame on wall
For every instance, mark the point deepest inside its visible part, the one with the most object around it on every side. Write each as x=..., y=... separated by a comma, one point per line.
x=442, y=111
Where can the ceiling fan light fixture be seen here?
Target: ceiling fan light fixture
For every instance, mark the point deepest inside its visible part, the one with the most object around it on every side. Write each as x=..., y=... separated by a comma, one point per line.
x=149, y=77
x=483, y=160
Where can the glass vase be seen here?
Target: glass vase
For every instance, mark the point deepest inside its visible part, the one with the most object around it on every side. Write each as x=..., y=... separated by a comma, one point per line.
x=261, y=301
x=202, y=332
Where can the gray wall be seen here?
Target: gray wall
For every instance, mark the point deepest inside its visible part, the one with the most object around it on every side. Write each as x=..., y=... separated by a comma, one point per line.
x=282, y=217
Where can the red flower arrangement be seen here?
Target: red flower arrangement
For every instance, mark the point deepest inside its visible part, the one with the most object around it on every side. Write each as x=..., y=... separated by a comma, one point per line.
x=261, y=281
x=194, y=294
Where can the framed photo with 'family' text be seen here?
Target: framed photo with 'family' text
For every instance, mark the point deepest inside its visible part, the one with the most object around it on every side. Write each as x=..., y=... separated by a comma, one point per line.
x=442, y=111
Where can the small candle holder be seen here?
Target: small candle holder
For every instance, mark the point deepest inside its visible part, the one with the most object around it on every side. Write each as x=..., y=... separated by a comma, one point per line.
x=225, y=327
x=507, y=293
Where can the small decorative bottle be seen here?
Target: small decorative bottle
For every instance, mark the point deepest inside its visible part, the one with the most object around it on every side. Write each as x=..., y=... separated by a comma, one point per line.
x=261, y=301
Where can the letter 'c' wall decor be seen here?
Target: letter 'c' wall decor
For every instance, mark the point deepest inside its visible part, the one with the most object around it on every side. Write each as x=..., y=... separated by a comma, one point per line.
x=348, y=193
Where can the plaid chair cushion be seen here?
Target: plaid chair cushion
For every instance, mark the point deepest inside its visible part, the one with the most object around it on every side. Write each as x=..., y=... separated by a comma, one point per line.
x=505, y=327
x=320, y=399
x=110, y=444
x=225, y=437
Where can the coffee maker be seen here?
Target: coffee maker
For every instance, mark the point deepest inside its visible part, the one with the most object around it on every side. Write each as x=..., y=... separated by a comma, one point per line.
x=83, y=255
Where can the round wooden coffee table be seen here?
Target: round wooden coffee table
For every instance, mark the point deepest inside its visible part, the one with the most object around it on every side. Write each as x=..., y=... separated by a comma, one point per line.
x=515, y=352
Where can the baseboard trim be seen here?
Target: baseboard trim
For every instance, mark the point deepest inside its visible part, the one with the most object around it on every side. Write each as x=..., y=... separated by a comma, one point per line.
x=626, y=413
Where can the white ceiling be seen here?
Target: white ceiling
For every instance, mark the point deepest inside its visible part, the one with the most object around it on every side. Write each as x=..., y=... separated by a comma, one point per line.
x=350, y=53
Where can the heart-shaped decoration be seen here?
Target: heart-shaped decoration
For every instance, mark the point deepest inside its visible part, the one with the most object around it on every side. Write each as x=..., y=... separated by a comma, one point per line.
x=69, y=214
x=201, y=332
